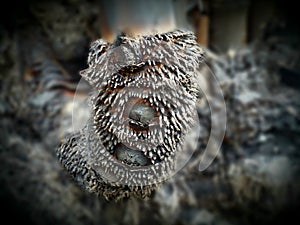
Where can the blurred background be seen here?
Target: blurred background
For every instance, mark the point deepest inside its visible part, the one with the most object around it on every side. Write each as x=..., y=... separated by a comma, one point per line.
x=251, y=46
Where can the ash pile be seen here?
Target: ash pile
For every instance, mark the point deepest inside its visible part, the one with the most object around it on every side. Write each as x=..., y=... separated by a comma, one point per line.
x=254, y=179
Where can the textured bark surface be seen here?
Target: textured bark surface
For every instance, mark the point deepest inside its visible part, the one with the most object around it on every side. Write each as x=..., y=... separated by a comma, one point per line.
x=254, y=180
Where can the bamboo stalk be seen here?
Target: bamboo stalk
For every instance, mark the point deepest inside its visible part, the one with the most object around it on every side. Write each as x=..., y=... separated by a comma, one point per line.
x=136, y=17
